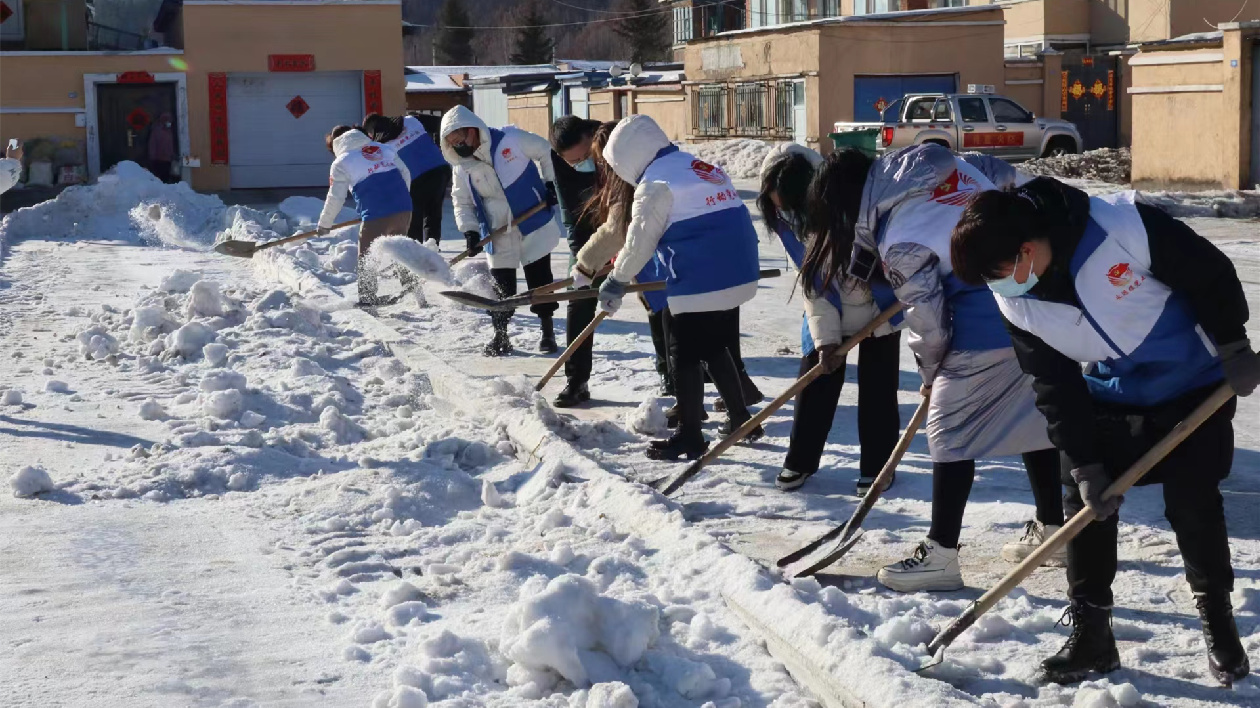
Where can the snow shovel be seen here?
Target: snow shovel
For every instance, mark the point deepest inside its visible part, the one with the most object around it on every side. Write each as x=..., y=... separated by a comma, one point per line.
x=851, y=531
x=565, y=283
x=247, y=249
x=1082, y=519
x=523, y=300
x=667, y=485
x=569, y=350
x=500, y=231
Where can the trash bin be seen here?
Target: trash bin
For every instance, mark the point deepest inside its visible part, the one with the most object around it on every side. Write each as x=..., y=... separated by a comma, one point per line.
x=863, y=139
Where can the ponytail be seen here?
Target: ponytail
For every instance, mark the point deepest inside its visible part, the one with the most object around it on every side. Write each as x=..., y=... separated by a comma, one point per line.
x=834, y=200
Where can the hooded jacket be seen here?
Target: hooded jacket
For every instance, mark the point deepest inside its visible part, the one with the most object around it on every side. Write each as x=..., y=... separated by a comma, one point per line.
x=912, y=199
x=503, y=178
x=372, y=173
x=686, y=214
x=825, y=322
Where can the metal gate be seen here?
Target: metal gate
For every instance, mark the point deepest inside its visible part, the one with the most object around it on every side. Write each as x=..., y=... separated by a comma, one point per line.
x=1088, y=98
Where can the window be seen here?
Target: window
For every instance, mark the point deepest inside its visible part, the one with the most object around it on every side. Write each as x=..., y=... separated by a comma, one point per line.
x=1005, y=111
x=950, y=3
x=871, y=7
x=941, y=110
x=762, y=109
x=920, y=109
x=682, y=24
x=1022, y=51
x=750, y=108
x=892, y=113
x=972, y=110
x=785, y=102
x=710, y=106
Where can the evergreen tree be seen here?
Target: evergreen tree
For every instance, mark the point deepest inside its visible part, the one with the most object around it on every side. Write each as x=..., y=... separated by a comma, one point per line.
x=533, y=46
x=646, y=31
x=453, y=46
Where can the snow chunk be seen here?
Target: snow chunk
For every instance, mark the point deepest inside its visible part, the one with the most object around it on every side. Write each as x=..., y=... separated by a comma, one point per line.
x=273, y=300
x=222, y=380
x=11, y=397
x=151, y=410
x=345, y=431
x=205, y=300
x=401, y=697
x=613, y=694
x=148, y=323
x=29, y=481
x=55, y=386
x=215, y=354
x=223, y=404
x=250, y=419
x=648, y=419
x=903, y=629
x=96, y=342
x=190, y=339
x=424, y=262
x=179, y=281
x=404, y=613
x=398, y=593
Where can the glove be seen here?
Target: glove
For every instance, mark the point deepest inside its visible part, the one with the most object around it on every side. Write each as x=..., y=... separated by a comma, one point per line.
x=580, y=278
x=827, y=356
x=610, y=295
x=552, y=199
x=471, y=239
x=1092, y=480
x=1241, y=365
x=322, y=231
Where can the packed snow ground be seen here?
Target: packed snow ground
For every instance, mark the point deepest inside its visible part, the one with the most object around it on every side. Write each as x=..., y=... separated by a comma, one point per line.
x=258, y=502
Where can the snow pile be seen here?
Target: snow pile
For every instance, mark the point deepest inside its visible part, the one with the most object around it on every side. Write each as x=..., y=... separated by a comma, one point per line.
x=421, y=260
x=741, y=158
x=29, y=481
x=179, y=281
x=1224, y=204
x=649, y=418
x=1102, y=165
x=568, y=630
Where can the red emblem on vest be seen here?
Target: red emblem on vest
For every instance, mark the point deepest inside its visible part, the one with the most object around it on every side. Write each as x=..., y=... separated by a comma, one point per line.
x=373, y=153
x=1120, y=275
x=709, y=173
x=955, y=190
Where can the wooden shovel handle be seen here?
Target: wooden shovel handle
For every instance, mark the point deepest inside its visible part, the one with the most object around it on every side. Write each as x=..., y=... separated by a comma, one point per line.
x=569, y=350
x=303, y=235
x=499, y=232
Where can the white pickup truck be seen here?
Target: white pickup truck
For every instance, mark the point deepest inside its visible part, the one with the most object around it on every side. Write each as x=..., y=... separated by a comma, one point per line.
x=989, y=124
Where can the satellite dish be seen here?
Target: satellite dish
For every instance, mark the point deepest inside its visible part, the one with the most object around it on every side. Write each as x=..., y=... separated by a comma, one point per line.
x=635, y=70
x=615, y=71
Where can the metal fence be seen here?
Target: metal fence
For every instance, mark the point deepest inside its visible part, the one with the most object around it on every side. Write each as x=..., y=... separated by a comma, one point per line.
x=105, y=38
x=757, y=109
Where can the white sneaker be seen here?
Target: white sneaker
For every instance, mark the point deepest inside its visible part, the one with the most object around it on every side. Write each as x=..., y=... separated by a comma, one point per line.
x=1035, y=533
x=790, y=479
x=931, y=569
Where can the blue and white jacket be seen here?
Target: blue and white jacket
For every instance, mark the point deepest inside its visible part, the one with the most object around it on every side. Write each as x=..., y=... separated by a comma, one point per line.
x=416, y=148
x=687, y=214
x=370, y=171
x=504, y=178
x=1139, y=339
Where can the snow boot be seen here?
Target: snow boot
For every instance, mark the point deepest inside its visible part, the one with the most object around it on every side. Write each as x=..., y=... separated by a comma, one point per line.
x=572, y=395
x=677, y=446
x=547, y=345
x=1091, y=647
x=865, y=483
x=727, y=427
x=789, y=479
x=931, y=568
x=1227, y=660
x=667, y=384
x=672, y=415
x=501, y=344
x=1035, y=533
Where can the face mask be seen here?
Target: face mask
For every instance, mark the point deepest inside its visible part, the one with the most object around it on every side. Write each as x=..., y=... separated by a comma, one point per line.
x=1007, y=287
x=587, y=165
x=464, y=150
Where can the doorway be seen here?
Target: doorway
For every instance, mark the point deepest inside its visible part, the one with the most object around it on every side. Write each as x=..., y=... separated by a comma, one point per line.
x=138, y=122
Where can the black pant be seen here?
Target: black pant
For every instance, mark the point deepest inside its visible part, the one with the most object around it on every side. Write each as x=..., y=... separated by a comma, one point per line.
x=579, y=314
x=879, y=422
x=427, y=193
x=951, y=486
x=698, y=340
x=1191, y=475
x=536, y=274
x=660, y=342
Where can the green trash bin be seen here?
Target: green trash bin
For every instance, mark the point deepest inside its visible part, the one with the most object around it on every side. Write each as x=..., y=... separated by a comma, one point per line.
x=862, y=139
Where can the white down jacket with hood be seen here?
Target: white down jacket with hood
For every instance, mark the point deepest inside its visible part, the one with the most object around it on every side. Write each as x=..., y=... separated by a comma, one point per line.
x=510, y=250
x=342, y=181
x=826, y=324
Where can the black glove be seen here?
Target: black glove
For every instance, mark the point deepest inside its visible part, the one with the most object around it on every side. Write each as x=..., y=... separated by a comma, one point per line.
x=552, y=199
x=1092, y=480
x=1241, y=365
x=471, y=239
x=830, y=360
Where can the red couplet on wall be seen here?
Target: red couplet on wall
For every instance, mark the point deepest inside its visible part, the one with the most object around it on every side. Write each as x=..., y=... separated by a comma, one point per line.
x=218, y=119
x=290, y=62
x=372, y=92
x=134, y=77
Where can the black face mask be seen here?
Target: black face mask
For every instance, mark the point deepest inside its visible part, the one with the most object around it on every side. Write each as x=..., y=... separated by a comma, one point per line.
x=464, y=150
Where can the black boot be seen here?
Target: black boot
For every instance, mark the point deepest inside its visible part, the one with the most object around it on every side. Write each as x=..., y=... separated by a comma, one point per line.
x=501, y=344
x=728, y=426
x=1227, y=660
x=689, y=440
x=1092, y=646
x=667, y=384
x=677, y=446
x=752, y=394
x=671, y=416
x=547, y=345
x=572, y=395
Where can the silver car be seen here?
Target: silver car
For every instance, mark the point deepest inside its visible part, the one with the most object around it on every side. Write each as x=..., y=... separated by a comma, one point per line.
x=989, y=124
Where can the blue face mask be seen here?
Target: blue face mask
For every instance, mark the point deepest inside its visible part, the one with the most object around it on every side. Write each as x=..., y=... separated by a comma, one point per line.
x=1007, y=287
x=587, y=165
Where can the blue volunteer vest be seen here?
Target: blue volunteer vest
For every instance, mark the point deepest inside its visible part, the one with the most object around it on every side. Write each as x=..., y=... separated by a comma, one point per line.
x=522, y=185
x=654, y=272
x=377, y=186
x=709, y=243
x=1139, y=338
x=416, y=148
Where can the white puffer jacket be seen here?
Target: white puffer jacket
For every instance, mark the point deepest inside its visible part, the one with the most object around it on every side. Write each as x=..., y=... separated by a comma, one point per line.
x=510, y=250
x=10, y=173
x=826, y=325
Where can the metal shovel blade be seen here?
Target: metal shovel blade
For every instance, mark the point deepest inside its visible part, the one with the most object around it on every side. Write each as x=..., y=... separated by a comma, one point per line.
x=471, y=300
x=834, y=554
x=240, y=249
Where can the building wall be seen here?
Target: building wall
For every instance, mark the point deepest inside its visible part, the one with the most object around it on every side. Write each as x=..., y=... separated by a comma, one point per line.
x=436, y=101
x=1189, y=16
x=43, y=26
x=1030, y=96
x=232, y=38
x=667, y=108
x=531, y=111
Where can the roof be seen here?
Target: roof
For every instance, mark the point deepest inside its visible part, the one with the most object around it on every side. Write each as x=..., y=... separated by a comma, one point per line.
x=430, y=82
x=907, y=16
x=486, y=71
x=1186, y=40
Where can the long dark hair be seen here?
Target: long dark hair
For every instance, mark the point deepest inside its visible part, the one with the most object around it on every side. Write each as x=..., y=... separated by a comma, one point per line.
x=788, y=175
x=381, y=128
x=612, y=189
x=835, y=197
